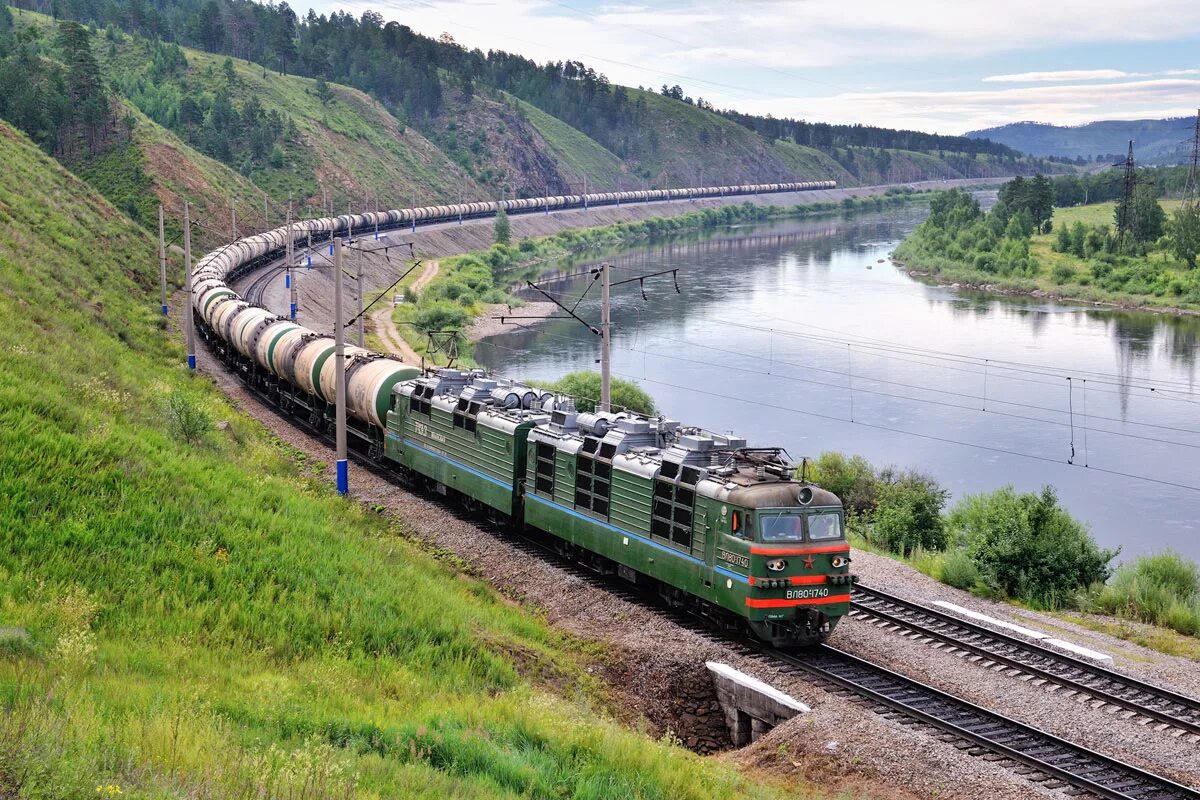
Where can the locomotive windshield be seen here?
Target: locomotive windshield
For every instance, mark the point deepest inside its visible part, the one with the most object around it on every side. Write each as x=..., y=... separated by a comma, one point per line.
x=781, y=527
x=788, y=526
x=824, y=526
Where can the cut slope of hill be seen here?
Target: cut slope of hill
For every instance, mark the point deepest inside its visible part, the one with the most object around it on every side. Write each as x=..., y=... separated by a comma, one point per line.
x=577, y=155
x=496, y=145
x=341, y=139
x=204, y=619
x=1156, y=141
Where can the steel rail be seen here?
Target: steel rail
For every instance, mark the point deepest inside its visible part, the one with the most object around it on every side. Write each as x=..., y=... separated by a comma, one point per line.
x=1078, y=766
x=1146, y=699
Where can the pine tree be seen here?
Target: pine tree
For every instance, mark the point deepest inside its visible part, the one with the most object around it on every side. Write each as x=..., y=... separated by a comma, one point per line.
x=1184, y=234
x=502, y=230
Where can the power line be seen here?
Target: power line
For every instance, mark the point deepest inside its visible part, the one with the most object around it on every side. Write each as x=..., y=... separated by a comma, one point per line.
x=875, y=426
x=1041, y=370
x=851, y=388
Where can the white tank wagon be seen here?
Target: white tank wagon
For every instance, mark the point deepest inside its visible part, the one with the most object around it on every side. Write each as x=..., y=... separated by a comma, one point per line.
x=370, y=379
x=309, y=361
x=297, y=364
x=327, y=378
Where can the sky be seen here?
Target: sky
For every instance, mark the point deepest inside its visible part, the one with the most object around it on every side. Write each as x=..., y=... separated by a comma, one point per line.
x=939, y=66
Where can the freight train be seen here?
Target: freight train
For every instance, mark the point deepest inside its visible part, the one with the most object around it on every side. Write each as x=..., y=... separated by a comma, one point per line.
x=702, y=517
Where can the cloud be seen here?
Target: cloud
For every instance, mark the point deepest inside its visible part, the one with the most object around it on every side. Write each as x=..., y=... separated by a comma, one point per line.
x=1062, y=75
x=958, y=111
x=806, y=58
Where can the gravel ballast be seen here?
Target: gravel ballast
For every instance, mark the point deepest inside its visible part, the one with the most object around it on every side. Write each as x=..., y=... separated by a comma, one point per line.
x=841, y=744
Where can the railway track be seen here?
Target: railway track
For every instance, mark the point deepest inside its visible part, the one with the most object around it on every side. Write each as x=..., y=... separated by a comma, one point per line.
x=1151, y=704
x=258, y=287
x=1036, y=755
x=1039, y=756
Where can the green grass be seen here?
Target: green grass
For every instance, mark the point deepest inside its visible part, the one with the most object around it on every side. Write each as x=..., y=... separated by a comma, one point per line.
x=1154, y=281
x=209, y=619
x=577, y=154
x=352, y=145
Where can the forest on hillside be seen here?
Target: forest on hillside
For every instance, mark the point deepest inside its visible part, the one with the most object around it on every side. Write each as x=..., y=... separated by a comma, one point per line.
x=411, y=73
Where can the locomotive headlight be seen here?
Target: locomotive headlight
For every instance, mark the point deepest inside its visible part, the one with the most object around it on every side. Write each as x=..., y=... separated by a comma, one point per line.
x=777, y=565
x=839, y=561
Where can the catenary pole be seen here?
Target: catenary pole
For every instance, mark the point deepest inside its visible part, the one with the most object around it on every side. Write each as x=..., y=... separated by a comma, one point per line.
x=162, y=260
x=339, y=364
x=189, y=325
x=291, y=264
x=605, y=338
x=358, y=288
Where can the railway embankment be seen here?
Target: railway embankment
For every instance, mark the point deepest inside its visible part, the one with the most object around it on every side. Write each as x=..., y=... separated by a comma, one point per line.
x=187, y=608
x=445, y=239
x=881, y=756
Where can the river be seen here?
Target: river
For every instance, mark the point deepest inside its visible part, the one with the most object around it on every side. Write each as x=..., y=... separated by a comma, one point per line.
x=801, y=334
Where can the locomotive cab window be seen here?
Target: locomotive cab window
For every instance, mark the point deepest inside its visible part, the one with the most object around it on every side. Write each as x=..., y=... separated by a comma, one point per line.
x=781, y=527
x=822, y=527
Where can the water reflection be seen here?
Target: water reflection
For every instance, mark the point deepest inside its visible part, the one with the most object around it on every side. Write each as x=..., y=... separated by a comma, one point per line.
x=781, y=329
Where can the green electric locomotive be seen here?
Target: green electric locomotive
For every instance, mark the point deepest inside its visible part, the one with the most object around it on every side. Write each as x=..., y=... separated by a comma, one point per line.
x=706, y=519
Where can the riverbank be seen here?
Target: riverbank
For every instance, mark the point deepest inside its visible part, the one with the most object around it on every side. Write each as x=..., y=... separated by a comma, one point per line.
x=442, y=240
x=1159, y=283
x=472, y=291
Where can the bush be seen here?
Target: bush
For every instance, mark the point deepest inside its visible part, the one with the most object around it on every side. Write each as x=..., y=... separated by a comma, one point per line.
x=1028, y=547
x=1163, y=589
x=1062, y=273
x=852, y=479
x=186, y=417
x=584, y=386
x=908, y=512
x=958, y=570
x=501, y=229
x=440, y=316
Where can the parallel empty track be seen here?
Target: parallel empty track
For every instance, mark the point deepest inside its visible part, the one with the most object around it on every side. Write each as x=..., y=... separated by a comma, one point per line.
x=1039, y=756
x=1152, y=704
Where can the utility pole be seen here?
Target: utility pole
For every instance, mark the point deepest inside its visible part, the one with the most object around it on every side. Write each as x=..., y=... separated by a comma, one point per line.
x=266, y=212
x=585, y=198
x=1192, y=188
x=189, y=324
x=162, y=260
x=339, y=364
x=291, y=262
x=605, y=338
x=233, y=221
x=1127, y=219
x=604, y=329
x=358, y=280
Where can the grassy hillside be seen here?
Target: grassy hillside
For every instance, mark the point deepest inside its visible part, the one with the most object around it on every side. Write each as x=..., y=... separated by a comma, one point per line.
x=345, y=142
x=576, y=154
x=208, y=619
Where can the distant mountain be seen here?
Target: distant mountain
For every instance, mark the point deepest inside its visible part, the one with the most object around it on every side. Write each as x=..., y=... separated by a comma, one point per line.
x=1156, y=141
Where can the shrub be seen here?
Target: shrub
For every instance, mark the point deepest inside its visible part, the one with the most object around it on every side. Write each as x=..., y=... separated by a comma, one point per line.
x=186, y=417
x=501, y=229
x=958, y=570
x=1028, y=547
x=584, y=386
x=440, y=316
x=852, y=479
x=1163, y=588
x=908, y=512
x=1062, y=273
